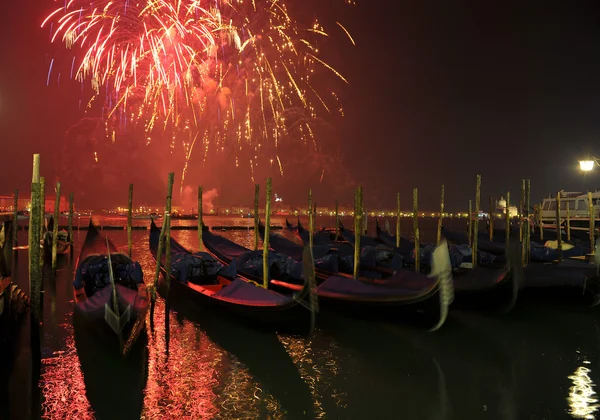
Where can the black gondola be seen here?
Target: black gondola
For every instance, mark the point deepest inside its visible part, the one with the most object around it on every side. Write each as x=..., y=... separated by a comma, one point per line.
x=406, y=292
x=495, y=286
x=111, y=300
x=545, y=277
x=490, y=287
x=207, y=281
x=538, y=252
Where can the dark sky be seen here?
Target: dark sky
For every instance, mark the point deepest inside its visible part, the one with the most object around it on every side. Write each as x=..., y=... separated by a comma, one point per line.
x=439, y=91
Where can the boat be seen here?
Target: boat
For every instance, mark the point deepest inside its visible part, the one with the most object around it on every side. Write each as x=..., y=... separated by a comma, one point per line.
x=548, y=275
x=538, y=252
x=212, y=283
x=404, y=294
x=321, y=237
x=492, y=286
x=111, y=300
x=63, y=243
x=578, y=209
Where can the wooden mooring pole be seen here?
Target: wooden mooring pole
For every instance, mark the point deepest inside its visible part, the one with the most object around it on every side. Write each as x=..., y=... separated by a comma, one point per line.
x=200, y=243
x=416, y=230
x=521, y=211
x=491, y=218
x=470, y=225
x=558, y=231
x=43, y=205
x=71, y=208
x=441, y=218
x=35, y=270
x=528, y=220
x=311, y=221
x=592, y=217
x=358, y=214
x=398, y=215
x=568, y=222
x=474, y=257
x=167, y=222
x=55, y=226
x=15, y=219
x=256, y=193
x=130, y=221
x=337, y=221
x=507, y=223
x=267, y=233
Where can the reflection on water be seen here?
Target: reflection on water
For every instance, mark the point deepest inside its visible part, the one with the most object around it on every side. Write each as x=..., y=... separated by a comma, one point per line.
x=63, y=389
x=180, y=382
x=318, y=366
x=582, y=400
x=475, y=367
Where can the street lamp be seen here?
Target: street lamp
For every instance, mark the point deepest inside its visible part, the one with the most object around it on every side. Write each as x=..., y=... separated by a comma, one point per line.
x=586, y=165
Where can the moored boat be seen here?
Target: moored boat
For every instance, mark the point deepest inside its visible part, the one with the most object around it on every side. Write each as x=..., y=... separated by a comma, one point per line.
x=427, y=295
x=492, y=286
x=211, y=283
x=111, y=300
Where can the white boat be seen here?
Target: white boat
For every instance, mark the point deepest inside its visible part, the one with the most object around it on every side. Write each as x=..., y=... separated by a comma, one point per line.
x=576, y=205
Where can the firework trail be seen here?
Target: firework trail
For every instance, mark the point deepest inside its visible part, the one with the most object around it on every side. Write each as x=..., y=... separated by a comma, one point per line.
x=209, y=74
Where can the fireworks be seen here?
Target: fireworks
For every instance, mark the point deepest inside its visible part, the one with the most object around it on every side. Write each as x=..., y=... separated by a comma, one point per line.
x=222, y=74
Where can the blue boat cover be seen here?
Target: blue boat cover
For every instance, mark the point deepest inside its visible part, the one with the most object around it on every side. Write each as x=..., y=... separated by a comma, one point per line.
x=186, y=266
x=323, y=255
x=240, y=291
x=538, y=253
x=223, y=246
x=93, y=271
x=286, y=268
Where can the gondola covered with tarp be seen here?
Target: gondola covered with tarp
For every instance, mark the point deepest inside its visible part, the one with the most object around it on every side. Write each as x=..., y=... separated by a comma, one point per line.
x=217, y=286
x=492, y=284
x=538, y=252
x=412, y=292
x=111, y=300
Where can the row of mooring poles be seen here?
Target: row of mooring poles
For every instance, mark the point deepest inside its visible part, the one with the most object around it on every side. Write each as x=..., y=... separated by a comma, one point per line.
x=35, y=233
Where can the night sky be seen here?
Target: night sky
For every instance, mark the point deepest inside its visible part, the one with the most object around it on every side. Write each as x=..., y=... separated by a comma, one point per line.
x=438, y=92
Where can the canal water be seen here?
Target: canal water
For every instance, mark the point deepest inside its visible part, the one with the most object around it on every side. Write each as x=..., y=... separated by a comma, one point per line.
x=538, y=362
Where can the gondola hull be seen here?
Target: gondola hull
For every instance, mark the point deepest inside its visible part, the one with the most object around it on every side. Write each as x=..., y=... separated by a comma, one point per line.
x=95, y=314
x=293, y=318
x=343, y=293
x=89, y=316
x=250, y=305
x=566, y=282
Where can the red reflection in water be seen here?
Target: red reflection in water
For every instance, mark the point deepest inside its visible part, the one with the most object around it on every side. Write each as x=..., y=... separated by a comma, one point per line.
x=318, y=367
x=62, y=384
x=180, y=383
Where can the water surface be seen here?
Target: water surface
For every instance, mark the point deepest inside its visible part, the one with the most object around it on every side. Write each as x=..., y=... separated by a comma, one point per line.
x=538, y=362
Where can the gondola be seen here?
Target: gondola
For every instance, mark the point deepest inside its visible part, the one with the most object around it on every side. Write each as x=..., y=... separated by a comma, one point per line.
x=111, y=300
x=494, y=286
x=406, y=292
x=211, y=283
x=63, y=243
x=538, y=252
x=322, y=237
x=570, y=280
